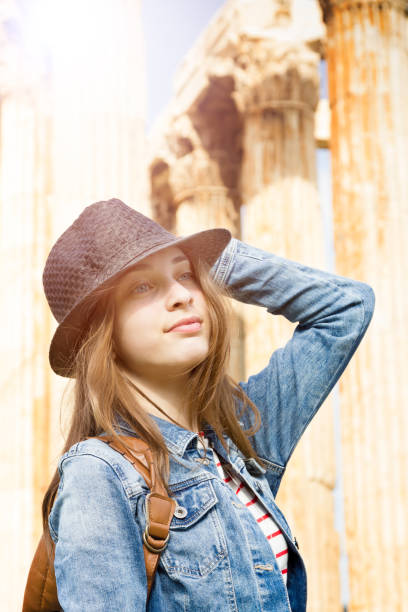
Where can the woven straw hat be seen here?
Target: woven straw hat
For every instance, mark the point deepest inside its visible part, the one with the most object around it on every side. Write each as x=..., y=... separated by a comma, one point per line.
x=105, y=239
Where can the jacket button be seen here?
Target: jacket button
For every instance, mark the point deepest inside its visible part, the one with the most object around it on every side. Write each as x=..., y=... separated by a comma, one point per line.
x=180, y=512
x=202, y=460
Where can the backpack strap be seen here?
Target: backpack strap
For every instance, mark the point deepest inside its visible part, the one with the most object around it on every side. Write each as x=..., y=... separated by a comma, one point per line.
x=41, y=590
x=159, y=506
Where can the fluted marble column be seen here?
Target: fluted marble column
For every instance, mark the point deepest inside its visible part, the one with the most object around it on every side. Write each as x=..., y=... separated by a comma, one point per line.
x=25, y=456
x=71, y=132
x=99, y=111
x=277, y=96
x=24, y=382
x=367, y=54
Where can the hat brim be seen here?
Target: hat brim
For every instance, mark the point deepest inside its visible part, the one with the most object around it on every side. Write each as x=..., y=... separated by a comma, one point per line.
x=207, y=244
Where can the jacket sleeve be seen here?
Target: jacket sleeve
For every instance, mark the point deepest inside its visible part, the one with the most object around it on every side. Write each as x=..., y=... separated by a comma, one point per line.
x=99, y=561
x=333, y=313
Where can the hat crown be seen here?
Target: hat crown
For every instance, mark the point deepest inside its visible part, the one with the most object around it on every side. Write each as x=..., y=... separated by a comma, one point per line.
x=105, y=237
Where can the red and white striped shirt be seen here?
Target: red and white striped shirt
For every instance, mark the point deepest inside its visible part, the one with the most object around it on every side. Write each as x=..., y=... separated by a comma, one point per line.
x=266, y=523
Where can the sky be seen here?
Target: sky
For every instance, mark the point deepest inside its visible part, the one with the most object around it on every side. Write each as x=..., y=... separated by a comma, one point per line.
x=171, y=28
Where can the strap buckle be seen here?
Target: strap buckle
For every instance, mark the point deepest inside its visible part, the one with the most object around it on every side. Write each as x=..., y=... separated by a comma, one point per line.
x=157, y=544
x=154, y=549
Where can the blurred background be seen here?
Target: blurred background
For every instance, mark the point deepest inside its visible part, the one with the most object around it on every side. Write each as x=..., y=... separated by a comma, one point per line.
x=283, y=120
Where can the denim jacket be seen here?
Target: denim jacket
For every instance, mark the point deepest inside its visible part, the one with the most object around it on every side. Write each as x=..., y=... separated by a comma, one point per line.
x=217, y=557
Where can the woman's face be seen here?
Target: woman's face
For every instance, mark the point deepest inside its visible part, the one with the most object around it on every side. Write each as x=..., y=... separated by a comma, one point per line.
x=150, y=299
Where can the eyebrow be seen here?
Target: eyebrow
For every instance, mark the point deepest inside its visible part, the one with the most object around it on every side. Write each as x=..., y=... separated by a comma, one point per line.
x=144, y=266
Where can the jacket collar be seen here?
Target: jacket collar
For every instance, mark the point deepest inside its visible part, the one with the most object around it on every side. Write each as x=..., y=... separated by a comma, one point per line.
x=177, y=438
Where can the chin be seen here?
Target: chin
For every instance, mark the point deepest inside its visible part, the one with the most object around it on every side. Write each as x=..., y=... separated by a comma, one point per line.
x=193, y=361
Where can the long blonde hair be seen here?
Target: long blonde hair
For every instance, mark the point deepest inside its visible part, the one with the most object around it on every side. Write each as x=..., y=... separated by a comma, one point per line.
x=102, y=392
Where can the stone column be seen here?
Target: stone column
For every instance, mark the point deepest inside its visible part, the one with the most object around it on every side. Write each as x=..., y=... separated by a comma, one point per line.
x=71, y=132
x=24, y=382
x=277, y=94
x=99, y=110
x=367, y=53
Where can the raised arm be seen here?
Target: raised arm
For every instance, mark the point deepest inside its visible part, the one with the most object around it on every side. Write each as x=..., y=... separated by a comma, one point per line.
x=99, y=563
x=333, y=313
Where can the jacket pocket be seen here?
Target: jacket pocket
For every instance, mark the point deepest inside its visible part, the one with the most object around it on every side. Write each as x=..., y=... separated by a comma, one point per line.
x=197, y=542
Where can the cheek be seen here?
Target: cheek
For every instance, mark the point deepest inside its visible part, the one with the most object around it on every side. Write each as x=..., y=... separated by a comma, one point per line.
x=201, y=301
x=204, y=310
x=128, y=327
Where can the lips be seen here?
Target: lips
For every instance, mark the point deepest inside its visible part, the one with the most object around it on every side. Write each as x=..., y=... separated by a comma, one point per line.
x=185, y=321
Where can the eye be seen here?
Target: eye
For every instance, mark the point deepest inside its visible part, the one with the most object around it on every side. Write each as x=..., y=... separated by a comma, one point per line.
x=139, y=288
x=190, y=275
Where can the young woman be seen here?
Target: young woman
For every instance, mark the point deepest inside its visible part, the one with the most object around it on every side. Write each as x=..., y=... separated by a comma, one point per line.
x=144, y=329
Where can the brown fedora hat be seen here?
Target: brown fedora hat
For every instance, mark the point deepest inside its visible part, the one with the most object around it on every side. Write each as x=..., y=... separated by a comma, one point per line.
x=105, y=239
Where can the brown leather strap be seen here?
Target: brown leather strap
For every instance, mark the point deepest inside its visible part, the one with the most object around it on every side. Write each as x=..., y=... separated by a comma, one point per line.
x=41, y=590
x=159, y=507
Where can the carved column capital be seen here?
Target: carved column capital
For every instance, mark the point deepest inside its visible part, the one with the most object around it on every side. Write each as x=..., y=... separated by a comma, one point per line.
x=328, y=6
x=191, y=165
x=187, y=162
x=274, y=73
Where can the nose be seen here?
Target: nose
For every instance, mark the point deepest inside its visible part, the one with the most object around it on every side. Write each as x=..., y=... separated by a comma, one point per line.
x=178, y=295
